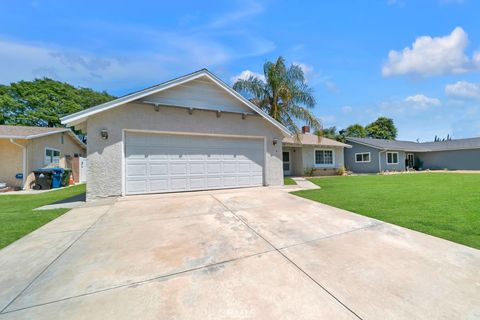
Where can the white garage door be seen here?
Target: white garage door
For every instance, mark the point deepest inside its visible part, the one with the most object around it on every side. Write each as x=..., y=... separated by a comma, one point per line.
x=166, y=163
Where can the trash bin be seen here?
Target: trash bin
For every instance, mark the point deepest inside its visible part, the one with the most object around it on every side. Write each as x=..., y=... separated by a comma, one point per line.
x=66, y=177
x=57, y=177
x=43, y=179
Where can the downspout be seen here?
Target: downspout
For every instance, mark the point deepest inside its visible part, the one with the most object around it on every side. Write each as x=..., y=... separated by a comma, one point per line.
x=24, y=161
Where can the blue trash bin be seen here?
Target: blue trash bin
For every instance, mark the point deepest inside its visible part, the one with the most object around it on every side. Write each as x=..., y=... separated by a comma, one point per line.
x=57, y=177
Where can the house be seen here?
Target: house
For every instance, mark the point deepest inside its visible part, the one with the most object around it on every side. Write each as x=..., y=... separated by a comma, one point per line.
x=377, y=155
x=24, y=149
x=308, y=154
x=190, y=133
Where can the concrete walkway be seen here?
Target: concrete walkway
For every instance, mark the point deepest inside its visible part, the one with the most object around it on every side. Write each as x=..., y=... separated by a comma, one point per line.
x=256, y=253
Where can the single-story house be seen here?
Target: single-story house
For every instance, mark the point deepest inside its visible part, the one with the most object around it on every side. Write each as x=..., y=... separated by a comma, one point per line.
x=24, y=149
x=377, y=155
x=190, y=133
x=309, y=154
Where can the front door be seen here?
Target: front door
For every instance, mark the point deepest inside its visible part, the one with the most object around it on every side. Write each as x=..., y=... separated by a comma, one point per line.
x=410, y=160
x=286, y=163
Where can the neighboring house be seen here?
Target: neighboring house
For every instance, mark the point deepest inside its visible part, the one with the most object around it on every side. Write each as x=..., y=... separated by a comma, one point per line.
x=377, y=155
x=24, y=149
x=191, y=133
x=306, y=154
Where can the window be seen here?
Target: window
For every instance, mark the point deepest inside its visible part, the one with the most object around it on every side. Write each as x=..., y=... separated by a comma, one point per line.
x=362, y=157
x=323, y=157
x=52, y=156
x=392, y=157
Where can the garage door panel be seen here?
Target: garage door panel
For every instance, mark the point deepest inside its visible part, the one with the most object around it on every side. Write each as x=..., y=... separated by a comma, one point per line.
x=163, y=163
x=136, y=186
x=178, y=168
x=137, y=170
x=229, y=167
x=178, y=184
x=197, y=183
x=197, y=168
x=158, y=169
x=158, y=185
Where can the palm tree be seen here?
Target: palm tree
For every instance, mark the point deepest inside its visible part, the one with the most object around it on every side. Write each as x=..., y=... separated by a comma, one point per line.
x=284, y=94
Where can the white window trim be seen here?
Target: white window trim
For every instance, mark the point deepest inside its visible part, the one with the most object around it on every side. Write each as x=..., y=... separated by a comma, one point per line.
x=323, y=165
x=53, y=149
x=391, y=163
x=369, y=157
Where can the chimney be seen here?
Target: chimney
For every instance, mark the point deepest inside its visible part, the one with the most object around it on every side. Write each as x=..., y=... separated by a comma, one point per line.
x=305, y=129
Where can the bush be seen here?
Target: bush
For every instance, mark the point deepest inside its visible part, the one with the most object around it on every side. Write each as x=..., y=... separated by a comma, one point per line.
x=341, y=171
x=309, y=171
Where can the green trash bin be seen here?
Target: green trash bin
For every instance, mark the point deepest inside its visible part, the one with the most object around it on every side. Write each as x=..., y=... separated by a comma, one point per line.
x=66, y=177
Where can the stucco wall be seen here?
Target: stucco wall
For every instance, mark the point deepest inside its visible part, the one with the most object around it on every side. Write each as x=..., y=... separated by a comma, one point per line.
x=11, y=160
x=104, y=173
x=308, y=156
x=296, y=161
x=452, y=160
x=36, y=149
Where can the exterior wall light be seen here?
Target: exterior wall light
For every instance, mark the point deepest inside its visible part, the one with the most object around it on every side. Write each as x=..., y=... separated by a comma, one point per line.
x=275, y=141
x=104, y=134
x=219, y=113
x=156, y=107
x=244, y=116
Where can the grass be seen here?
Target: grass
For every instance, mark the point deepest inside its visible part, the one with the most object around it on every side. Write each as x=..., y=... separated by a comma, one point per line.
x=17, y=217
x=289, y=181
x=444, y=205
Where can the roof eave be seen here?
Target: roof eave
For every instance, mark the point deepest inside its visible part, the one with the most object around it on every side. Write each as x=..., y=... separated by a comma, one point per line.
x=79, y=117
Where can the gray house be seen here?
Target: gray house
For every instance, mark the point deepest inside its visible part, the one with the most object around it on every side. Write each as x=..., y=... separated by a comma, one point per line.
x=377, y=155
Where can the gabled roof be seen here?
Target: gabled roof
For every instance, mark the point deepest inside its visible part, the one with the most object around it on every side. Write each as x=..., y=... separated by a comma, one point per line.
x=28, y=133
x=398, y=145
x=81, y=116
x=313, y=140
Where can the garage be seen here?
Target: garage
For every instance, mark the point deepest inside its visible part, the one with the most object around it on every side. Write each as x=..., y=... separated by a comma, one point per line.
x=190, y=133
x=156, y=163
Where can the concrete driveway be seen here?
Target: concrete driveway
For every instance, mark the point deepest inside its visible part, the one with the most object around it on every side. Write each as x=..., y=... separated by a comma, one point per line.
x=236, y=254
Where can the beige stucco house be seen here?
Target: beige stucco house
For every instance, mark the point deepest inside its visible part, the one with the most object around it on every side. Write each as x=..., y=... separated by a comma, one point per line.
x=190, y=133
x=24, y=149
x=309, y=154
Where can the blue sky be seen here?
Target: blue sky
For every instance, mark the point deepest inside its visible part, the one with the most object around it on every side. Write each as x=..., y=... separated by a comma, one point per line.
x=415, y=61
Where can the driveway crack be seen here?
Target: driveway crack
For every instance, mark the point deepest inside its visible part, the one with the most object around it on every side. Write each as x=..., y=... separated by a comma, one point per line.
x=286, y=257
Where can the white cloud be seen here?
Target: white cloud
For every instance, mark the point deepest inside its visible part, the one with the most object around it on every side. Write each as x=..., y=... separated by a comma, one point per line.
x=307, y=69
x=347, y=109
x=463, y=89
x=422, y=100
x=432, y=56
x=245, y=75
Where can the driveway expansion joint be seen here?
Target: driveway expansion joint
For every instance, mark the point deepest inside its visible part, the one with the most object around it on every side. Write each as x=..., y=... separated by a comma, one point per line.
x=140, y=282
x=287, y=258
x=3, y=310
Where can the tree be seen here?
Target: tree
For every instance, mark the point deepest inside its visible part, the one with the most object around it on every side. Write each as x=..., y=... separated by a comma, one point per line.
x=43, y=102
x=330, y=133
x=354, y=131
x=283, y=94
x=382, y=128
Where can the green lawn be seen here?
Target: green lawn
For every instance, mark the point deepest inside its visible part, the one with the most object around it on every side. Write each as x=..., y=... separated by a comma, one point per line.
x=446, y=205
x=17, y=217
x=289, y=181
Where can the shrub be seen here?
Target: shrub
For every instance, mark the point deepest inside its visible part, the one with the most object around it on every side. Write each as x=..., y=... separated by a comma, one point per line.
x=309, y=171
x=341, y=171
